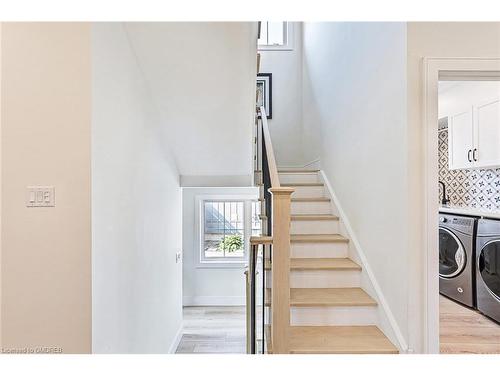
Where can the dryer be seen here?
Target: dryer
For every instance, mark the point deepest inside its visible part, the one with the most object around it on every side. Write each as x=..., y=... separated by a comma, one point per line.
x=457, y=258
x=488, y=268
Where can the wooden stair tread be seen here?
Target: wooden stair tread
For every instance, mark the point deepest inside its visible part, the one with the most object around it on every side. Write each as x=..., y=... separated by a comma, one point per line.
x=318, y=199
x=309, y=297
x=339, y=340
x=323, y=264
x=295, y=238
x=325, y=297
x=312, y=217
x=299, y=184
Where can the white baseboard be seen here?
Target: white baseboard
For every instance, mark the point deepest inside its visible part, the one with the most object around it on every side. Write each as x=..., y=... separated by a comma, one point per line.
x=177, y=340
x=389, y=317
x=214, y=301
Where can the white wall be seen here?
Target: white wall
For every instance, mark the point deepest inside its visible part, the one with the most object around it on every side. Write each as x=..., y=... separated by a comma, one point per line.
x=202, y=79
x=355, y=104
x=208, y=286
x=286, y=124
x=454, y=96
x=136, y=207
x=46, y=265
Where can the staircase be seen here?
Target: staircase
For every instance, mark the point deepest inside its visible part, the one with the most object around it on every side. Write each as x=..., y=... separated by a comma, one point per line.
x=329, y=311
x=311, y=289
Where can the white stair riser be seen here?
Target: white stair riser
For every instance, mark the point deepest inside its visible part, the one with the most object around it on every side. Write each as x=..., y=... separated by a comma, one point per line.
x=318, y=208
x=307, y=191
x=319, y=250
x=314, y=227
x=325, y=278
x=321, y=278
x=334, y=316
x=298, y=177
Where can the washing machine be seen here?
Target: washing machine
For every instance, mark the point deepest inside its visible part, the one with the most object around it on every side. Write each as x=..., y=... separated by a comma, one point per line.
x=488, y=268
x=457, y=258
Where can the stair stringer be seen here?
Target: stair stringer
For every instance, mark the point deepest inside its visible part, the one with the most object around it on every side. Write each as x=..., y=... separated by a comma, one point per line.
x=387, y=322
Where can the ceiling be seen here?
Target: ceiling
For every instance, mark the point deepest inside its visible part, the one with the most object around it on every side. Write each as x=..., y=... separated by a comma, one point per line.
x=202, y=79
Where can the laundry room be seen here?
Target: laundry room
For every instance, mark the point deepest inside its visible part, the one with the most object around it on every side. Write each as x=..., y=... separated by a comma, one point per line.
x=469, y=213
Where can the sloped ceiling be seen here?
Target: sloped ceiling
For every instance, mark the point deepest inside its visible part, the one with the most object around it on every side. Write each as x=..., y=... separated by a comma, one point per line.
x=202, y=79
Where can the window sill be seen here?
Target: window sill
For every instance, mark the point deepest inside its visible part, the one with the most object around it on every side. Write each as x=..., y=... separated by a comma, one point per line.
x=274, y=48
x=222, y=264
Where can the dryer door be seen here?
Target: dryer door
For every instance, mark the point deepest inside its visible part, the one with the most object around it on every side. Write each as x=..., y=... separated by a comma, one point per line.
x=452, y=257
x=489, y=267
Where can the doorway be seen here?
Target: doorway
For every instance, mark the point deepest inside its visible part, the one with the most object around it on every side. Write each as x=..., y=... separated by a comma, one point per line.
x=444, y=70
x=217, y=225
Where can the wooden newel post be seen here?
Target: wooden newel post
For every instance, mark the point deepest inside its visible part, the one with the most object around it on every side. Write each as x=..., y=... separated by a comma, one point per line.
x=280, y=301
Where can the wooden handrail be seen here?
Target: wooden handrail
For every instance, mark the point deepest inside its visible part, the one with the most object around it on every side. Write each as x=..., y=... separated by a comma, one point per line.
x=278, y=207
x=261, y=240
x=271, y=161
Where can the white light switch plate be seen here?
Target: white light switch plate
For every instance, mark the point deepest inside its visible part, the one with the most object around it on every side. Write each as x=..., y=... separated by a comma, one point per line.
x=40, y=196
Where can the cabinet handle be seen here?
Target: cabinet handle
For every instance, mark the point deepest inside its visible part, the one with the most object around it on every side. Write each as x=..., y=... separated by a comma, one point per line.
x=468, y=156
x=474, y=154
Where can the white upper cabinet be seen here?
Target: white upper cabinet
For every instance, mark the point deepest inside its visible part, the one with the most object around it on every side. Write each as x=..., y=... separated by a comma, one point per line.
x=486, y=116
x=474, y=136
x=460, y=139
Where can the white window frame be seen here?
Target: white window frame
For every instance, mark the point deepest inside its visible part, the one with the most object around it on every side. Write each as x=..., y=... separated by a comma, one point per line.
x=288, y=46
x=201, y=261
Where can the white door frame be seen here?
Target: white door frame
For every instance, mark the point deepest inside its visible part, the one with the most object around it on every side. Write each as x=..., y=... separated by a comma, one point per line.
x=433, y=69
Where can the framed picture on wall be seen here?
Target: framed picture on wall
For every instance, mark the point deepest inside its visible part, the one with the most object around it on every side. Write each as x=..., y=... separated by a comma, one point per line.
x=265, y=92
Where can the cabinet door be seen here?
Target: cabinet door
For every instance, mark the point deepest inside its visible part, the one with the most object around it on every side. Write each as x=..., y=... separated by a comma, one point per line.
x=460, y=142
x=487, y=134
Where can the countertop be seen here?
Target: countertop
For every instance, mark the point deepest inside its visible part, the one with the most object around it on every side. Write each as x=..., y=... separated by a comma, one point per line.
x=470, y=211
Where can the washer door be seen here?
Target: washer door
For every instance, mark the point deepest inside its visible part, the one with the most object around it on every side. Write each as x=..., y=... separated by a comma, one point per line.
x=489, y=267
x=452, y=256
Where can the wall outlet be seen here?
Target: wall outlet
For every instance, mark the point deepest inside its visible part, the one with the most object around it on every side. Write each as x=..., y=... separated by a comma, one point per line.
x=178, y=257
x=40, y=196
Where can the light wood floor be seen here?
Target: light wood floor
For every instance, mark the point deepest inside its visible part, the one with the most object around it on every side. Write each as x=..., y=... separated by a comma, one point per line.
x=220, y=329
x=463, y=330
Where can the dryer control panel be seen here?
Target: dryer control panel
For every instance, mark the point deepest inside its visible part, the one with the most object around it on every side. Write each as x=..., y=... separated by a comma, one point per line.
x=463, y=224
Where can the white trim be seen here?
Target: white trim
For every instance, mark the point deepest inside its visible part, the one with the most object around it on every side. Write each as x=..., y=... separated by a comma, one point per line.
x=177, y=340
x=223, y=264
x=403, y=346
x=213, y=301
x=290, y=40
x=431, y=70
x=1, y=184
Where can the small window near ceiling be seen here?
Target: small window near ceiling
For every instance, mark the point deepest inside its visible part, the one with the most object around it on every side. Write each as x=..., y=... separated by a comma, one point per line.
x=275, y=36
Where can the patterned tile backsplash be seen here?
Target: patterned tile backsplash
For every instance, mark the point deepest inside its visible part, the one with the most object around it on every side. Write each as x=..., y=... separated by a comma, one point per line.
x=477, y=188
